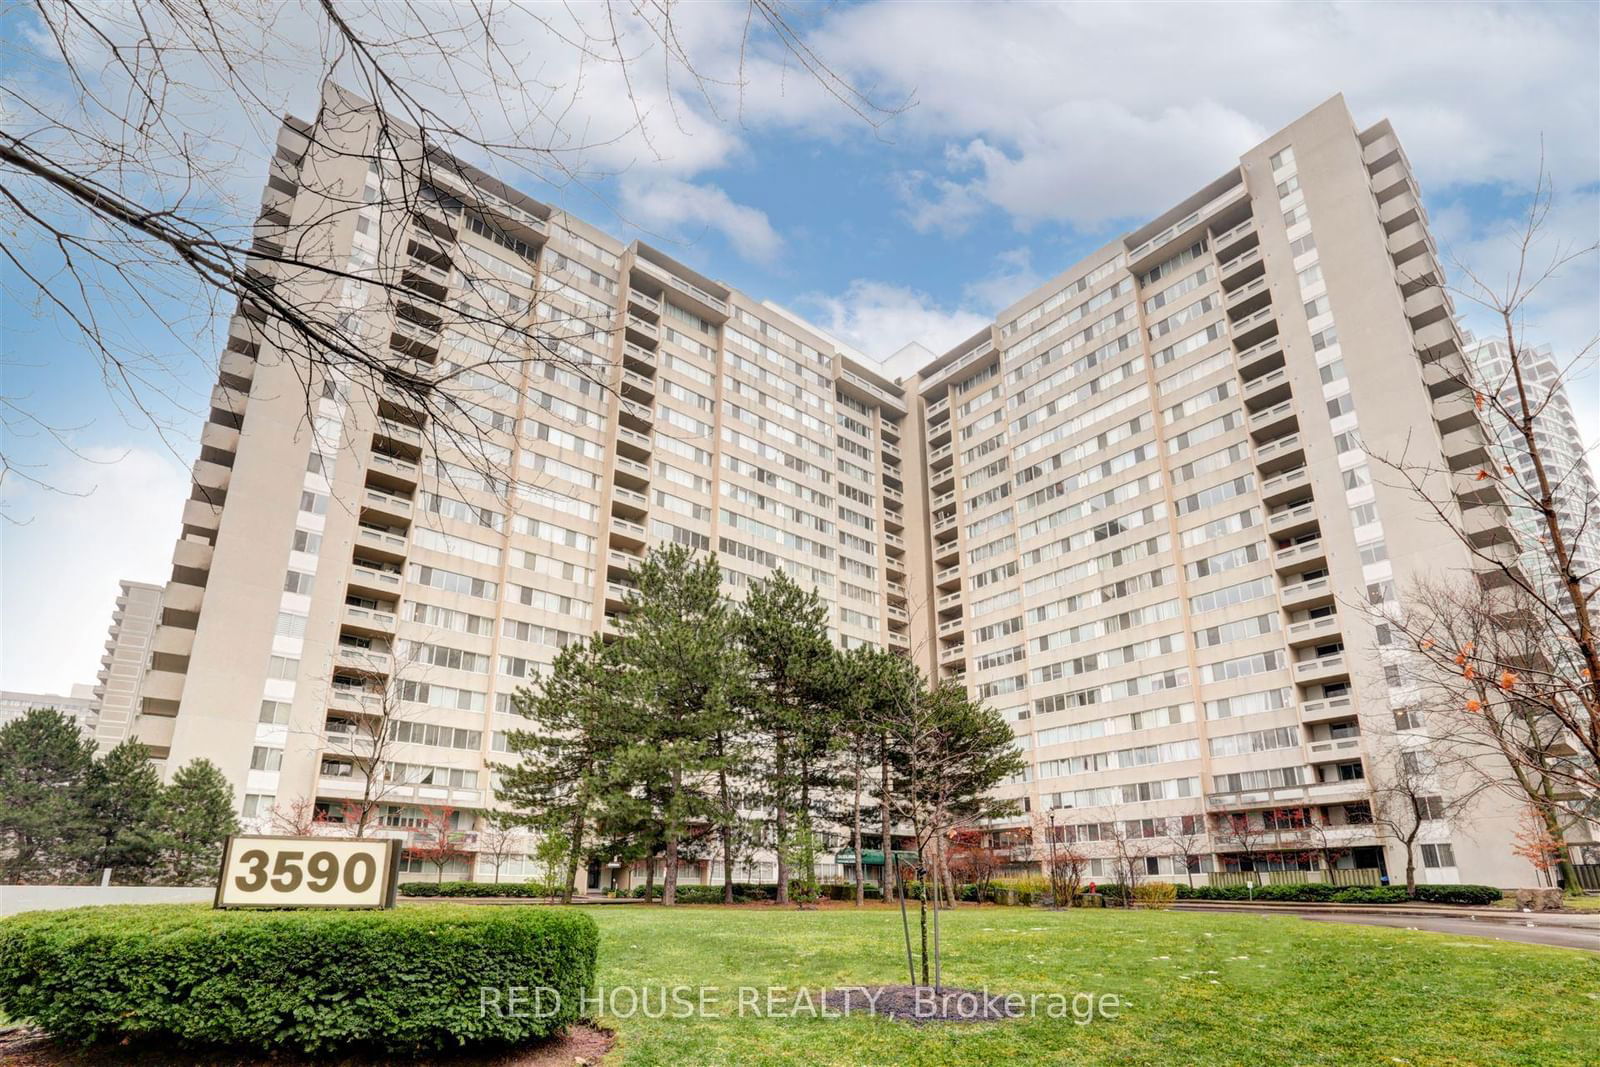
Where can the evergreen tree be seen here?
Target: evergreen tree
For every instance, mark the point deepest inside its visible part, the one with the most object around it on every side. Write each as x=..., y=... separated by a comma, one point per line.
x=44, y=769
x=685, y=672
x=576, y=712
x=876, y=682
x=123, y=802
x=793, y=698
x=197, y=814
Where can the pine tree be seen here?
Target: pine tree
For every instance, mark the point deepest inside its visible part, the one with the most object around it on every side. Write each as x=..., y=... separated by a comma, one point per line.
x=793, y=698
x=123, y=802
x=197, y=815
x=44, y=769
x=567, y=752
x=685, y=672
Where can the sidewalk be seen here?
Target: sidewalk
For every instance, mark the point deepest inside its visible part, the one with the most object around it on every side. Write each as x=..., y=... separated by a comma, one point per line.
x=1577, y=920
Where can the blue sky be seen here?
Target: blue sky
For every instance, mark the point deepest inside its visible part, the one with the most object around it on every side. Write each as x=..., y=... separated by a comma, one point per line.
x=1038, y=133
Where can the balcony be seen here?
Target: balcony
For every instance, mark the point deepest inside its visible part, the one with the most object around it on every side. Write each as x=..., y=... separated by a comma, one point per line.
x=895, y=589
x=394, y=473
x=1273, y=421
x=365, y=660
x=1260, y=358
x=1322, y=669
x=1280, y=453
x=617, y=594
x=627, y=532
x=1311, y=593
x=368, y=620
x=1309, y=631
x=641, y=300
x=1269, y=389
x=1248, y=297
x=639, y=328
x=1466, y=448
x=952, y=653
x=952, y=627
x=1231, y=238
x=637, y=355
x=890, y=451
x=634, y=504
x=898, y=613
x=638, y=386
x=1240, y=267
x=937, y=408
x=1253, y=327
x=1328, y=709
x=946, y=552
x=1333, y=747
x=1455, y=411
x=1286, y=522
x=1391, y=181
x=630, y=470
x=212, y=476
x=947, y=522
x=634, y=442
x=1281, y=488
x=1437, y=340
x=1299, y=557
x=383, y=541
x=940, y=453
x=943, y=499
x=641, y=414
x=373, y=582
x=376, y=503
x=947, y=577
x=949, y=601
x=894, y=540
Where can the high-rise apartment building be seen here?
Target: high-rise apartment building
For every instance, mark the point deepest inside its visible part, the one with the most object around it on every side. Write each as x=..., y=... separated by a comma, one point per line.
x=1136, y=513
x=127, y=656
x=1562, y=451
x=79, y=705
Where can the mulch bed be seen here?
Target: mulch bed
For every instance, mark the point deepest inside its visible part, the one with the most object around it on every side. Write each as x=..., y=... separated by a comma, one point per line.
x=26, y=1046
x=919, y=1004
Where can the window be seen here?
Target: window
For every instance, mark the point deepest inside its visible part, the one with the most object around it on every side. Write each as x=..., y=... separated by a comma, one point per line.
x=283, y=669
x=1288, y=185
x=297, y=582
x=275, y=712
x=257, y=805
x=1282, y=158
x=1430, y=809
x=1440, y=855
x=313, y=503
x=1301, y=246
x=266, y=759
x=306, y=541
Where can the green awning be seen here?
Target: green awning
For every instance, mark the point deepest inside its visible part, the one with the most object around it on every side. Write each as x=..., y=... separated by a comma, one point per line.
x=871, y=857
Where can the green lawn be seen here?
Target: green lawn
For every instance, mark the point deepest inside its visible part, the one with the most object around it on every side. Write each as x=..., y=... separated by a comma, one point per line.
x=1196, y=988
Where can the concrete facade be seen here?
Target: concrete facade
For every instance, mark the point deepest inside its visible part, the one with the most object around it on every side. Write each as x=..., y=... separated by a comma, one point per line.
x=1132, y=513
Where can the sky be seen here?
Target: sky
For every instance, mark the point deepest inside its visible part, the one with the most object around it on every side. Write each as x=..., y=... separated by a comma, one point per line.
x=1033, y=135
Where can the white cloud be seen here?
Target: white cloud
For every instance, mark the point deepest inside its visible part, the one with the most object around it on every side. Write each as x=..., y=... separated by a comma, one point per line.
x=880, y=318
x=683, y=210
x=59, y=572
x=1089, y=113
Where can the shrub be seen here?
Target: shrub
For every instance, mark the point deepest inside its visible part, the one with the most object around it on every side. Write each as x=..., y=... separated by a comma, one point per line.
x=1458, y=894
x=311, y=981
x=847, y=891
x=1157, y=895
x=1371, y=894
x=478, y=889
x=743, y=893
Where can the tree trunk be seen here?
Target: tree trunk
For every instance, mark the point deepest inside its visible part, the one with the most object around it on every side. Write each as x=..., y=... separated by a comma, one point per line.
x=890, y=871
x=650, y=878
x=936, y=961
x=905, y=925
x=855, y=831
x=575, y=849
x=922, y=912
x=780, y=821
x=669, y=881
x=729, y=815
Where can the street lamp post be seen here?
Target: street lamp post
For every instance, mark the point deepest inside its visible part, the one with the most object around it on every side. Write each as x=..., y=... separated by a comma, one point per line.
x=1055, y=900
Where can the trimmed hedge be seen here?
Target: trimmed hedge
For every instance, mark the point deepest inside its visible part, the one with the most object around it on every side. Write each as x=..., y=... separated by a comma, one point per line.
x=743, y=893
x=1458, y=894
x=532, y=890
x=1323, y=893
x=312, y=981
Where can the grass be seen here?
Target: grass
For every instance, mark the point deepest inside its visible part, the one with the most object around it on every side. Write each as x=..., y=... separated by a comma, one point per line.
x=1195, y=988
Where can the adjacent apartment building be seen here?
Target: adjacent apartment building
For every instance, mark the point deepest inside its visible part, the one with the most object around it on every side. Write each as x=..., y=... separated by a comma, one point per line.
x=1136, y=513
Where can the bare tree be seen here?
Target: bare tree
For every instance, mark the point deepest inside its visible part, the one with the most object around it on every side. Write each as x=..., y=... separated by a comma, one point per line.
x=298, y=818
x=1416, y=784
x=1480, y=661
x=1186, y=835
x=120, y=162
x=1130, y=848
x=499, y=838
